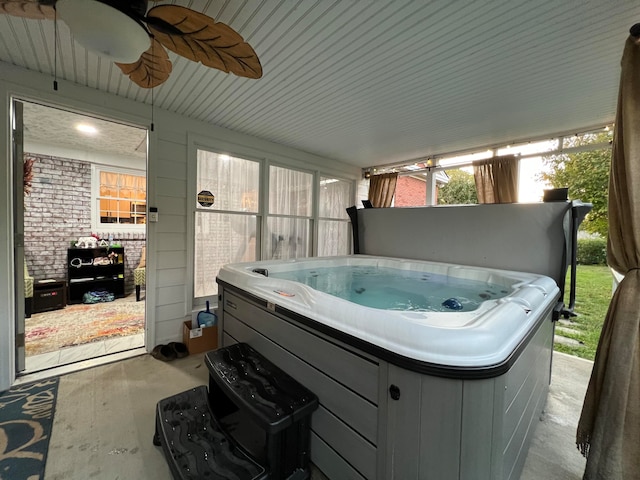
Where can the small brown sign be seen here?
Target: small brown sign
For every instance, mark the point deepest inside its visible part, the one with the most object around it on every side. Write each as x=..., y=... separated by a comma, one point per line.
x=206, y=198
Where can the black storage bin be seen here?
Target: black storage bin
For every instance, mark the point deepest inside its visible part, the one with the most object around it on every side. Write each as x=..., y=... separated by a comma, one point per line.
x=49, y=295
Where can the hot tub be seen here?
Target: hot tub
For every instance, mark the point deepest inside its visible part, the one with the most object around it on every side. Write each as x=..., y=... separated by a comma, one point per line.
x=416, y=378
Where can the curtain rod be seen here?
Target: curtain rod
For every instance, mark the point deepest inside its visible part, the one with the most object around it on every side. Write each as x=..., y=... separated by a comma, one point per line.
x=635, y=30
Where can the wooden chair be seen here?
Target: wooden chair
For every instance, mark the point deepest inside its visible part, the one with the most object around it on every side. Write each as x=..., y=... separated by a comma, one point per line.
x=139, y=274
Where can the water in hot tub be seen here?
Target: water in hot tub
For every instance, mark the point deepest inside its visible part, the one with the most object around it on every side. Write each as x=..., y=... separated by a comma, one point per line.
x=394, y=289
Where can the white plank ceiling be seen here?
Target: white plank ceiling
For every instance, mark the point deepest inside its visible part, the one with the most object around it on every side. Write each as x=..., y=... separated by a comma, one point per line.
x=378, y=82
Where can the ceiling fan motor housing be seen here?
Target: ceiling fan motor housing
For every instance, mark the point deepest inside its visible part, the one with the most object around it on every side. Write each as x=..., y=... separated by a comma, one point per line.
x=111, y=28
x=136, y=9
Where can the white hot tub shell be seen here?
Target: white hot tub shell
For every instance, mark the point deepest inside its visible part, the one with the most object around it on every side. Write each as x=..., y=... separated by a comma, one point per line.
x=404, y=394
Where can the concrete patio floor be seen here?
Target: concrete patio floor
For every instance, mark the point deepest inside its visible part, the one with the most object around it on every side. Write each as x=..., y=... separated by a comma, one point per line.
x=104, y=420
x=553, y=453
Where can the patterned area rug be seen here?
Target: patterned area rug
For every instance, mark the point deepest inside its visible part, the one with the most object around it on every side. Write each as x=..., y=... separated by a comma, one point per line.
x=80, y=324
x=26, y=417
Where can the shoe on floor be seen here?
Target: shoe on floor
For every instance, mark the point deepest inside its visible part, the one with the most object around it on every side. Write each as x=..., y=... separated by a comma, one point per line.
x=180, y=349
x=164, y=353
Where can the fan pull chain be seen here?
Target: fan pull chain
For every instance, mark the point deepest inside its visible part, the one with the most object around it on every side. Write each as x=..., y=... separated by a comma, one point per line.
x=55, y=49
x=152, y=109
x=153, y=54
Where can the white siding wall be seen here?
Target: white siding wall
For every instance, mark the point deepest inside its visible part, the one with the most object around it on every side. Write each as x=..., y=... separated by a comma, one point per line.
x=170, y=241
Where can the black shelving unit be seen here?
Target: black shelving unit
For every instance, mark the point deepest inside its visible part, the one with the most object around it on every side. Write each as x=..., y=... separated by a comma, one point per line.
x=86, y=271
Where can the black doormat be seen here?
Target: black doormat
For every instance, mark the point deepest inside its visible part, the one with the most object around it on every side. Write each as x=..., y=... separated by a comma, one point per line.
x=26, y=417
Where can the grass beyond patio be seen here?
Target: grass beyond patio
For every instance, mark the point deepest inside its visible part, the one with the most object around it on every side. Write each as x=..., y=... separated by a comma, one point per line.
x=593, y=294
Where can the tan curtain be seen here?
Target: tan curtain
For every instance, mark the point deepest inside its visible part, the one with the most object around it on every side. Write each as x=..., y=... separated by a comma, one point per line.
x=496, y=179
x=108, y=184
x=140, y=188
x=609, y=428
x=382, y=188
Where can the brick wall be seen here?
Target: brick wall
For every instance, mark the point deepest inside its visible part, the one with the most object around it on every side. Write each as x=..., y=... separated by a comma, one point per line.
x=58, y=211
x=410, y=192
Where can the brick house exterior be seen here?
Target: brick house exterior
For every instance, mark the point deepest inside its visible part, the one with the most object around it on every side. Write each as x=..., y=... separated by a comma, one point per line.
x=411, y=191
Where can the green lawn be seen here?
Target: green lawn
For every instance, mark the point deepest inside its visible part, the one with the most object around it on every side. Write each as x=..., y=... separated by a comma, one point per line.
x=593, y=294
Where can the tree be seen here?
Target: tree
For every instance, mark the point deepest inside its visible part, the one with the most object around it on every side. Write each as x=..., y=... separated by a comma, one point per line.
x=460, y=190
x=586, y=174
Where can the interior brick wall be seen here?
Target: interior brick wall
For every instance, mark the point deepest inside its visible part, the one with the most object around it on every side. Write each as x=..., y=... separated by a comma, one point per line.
x=58, y=211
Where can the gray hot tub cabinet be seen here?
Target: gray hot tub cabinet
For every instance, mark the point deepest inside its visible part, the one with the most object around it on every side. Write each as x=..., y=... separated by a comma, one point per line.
x=383, y=416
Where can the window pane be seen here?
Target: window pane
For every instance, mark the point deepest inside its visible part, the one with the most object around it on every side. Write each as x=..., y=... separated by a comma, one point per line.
x=220, y=238
x=116, y=192
x=290, y=192
x=233, y=181
x=586, y=174
x=335, y=197
x=460, y=188
x=139, y=212
x=287, y=238
x=333, y=238
x=531, y=185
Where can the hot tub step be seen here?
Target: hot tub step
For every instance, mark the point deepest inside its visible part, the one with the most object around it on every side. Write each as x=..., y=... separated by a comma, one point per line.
x=194, y=443
x=273, y=399
x=267, y=411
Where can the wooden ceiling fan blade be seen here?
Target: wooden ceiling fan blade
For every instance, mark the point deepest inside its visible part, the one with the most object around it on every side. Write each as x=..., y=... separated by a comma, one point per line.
x=152, y=69
x=200, y=38
x=27, y=9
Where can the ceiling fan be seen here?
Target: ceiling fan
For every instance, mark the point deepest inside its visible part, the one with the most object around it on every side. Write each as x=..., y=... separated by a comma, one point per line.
x=116, y=29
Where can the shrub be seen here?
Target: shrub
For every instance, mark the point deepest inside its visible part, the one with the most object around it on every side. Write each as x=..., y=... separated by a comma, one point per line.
x=592, y=251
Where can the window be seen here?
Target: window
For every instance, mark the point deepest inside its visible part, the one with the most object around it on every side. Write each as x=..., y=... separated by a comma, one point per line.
x=288, y=232
x=459, y=189
x=535, y=159
x=583, y=166
x=530, y=186
x=262, y=211
x=411, y=191
x=333, y=222
x=225, y=232
x=120, y=199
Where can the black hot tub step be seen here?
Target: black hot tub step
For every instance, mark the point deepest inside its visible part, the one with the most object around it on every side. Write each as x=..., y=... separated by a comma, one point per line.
x=271, y=397
x=194, y=443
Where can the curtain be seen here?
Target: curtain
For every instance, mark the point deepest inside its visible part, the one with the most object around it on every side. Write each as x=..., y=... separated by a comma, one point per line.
x=288, y=232
x=290, y=192
x=232, y=181
x=108, y=184
x=608, y=432
x=333, y=238
x=287, y=237
x=497, y=179
x=382, y=188
x=333, y=224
